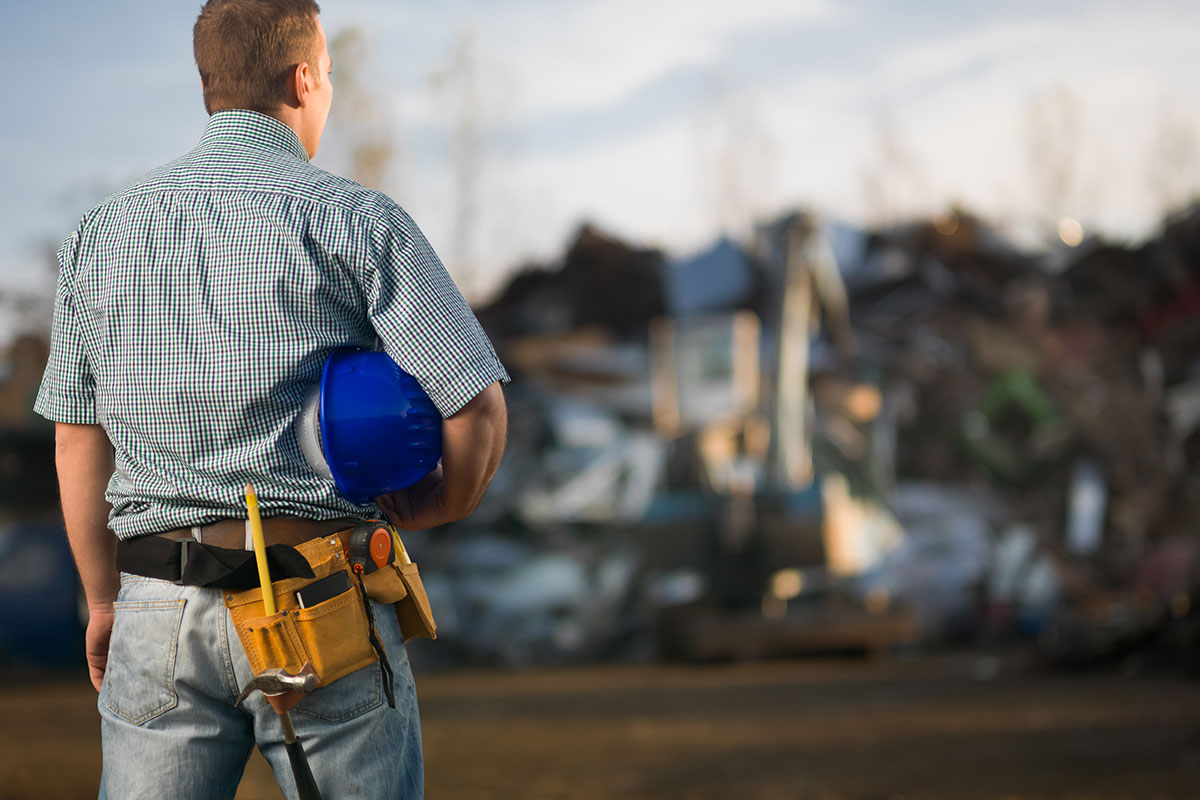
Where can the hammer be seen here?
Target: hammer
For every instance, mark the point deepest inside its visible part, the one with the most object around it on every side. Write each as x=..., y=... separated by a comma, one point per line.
x=273, y=683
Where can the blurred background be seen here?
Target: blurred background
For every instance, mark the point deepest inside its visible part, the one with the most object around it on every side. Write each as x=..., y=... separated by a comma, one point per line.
x=856, y=406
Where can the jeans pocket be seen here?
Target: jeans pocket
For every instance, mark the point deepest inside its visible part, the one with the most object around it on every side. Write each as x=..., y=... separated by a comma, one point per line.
x=139, y=681
x=345, y=698
x=362, y=690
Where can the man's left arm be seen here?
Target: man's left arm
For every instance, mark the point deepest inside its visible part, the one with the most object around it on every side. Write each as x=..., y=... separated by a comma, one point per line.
x=84, y=458
x=472, y=445
x=430, y=332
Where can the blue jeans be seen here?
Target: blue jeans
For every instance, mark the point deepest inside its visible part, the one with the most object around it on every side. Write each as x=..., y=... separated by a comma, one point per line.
x=170, y=729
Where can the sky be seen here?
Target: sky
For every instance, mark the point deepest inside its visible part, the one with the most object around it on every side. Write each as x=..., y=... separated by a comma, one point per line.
x=664, y=122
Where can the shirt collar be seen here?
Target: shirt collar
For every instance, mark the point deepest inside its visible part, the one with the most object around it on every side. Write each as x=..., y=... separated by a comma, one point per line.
x=254, y=129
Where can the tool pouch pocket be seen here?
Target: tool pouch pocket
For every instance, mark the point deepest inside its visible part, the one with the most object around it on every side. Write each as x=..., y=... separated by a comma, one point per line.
x=333, y=636
x=413, y=612
x=384, y=585
x=400, y=585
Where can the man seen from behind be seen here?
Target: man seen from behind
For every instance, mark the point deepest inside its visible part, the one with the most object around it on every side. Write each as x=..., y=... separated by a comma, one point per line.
x=194, y=310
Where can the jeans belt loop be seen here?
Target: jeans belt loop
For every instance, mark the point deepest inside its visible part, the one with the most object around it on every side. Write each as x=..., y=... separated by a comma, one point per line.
x=183, y=560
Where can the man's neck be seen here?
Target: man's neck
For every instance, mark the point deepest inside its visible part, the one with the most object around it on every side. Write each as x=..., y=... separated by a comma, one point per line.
x=292, y=118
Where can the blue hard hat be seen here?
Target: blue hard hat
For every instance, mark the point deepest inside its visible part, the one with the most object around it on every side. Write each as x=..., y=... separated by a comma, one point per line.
x=369, y=426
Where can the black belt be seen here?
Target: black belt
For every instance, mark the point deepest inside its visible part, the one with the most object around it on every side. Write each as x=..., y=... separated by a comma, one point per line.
x=191, y=563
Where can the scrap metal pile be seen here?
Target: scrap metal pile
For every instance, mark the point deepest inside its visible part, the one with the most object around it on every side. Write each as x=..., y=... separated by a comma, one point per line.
x=1068, y=385
x=1029, y=421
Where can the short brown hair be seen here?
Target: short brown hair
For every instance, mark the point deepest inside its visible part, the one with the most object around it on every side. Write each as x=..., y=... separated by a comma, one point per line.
x=245, y=50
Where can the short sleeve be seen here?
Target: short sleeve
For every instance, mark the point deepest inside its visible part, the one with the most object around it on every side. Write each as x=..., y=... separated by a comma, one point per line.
x=425, y=324
x=68, y=390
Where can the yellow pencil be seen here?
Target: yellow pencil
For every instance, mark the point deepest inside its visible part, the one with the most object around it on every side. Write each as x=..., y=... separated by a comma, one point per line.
x=260, y=549
x=401, y=553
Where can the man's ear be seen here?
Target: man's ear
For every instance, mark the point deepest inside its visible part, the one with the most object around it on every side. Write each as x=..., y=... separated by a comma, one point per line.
x=301, y=85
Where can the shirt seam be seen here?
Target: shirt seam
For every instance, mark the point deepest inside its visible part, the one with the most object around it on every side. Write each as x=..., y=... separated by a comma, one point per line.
x=58, y=392
x=372, y=217
x=480, y=370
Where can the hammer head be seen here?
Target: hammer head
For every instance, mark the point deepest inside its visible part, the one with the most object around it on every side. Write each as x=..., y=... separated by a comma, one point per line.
x=277, y=681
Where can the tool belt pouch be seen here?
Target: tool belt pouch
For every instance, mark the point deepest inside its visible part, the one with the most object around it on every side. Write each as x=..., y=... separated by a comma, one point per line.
x=333, y=636
x=400, y=584
x=413, y=612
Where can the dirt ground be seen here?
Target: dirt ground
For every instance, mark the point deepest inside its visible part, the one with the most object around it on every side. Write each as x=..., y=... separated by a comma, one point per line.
x=958, y=726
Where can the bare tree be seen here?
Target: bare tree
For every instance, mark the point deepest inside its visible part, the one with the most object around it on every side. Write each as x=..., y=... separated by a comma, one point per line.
x=1054, y=138
x=29, y=306
x=362, y=120
x=893, y=182
x=458, y=85
x=1173, y=174
x=739, y=158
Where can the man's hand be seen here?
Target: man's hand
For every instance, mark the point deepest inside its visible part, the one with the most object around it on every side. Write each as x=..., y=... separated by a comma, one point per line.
x=420, y=506
x=472, y=443
x=99, y=631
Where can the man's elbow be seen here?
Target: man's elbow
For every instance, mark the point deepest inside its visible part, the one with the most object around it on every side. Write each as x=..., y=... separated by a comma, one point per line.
x=475, y=434
x=484, y=419
x=487, y=405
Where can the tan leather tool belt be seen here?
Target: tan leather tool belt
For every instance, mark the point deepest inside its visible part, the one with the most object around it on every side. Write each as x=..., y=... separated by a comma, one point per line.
x=332, y=636
x=231, y=533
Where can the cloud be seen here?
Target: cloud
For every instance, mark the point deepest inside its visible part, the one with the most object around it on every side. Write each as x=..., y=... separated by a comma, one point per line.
x=600, y=51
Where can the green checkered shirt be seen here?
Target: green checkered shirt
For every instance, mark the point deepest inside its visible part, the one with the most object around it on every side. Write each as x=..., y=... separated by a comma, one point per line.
x=195, y=308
